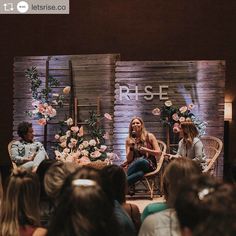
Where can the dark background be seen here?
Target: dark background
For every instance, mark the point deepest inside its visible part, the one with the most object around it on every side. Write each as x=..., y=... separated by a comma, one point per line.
x=137, y=29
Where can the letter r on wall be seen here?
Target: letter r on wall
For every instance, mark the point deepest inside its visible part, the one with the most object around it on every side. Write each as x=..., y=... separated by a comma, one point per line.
x=124, y=91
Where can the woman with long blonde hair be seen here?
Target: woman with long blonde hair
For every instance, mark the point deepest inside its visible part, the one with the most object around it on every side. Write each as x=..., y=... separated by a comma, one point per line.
x=20, y=215
x=141, y=151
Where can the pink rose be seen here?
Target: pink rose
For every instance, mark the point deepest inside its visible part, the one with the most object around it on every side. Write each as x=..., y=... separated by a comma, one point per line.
x=183, y=109
x=103, y=148
x=73, y=141
x=168, y=103
x=74, y=129
x=92, y=142
x=108, y=116
x=57, y=136
x=85, y=143
x=41, y=109
x=156, y=111
x=42, y=121
x=69, y=121
x=81, y=131
x=175, y=117
x=66, y=90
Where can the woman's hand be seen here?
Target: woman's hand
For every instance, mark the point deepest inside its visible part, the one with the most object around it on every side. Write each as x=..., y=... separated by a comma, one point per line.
x=143, y=150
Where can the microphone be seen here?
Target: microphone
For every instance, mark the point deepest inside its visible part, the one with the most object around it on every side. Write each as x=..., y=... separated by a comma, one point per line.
x=133, y=134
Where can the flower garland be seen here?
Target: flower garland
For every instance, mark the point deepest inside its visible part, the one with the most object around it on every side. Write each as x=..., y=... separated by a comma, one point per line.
x=44, y=99
x=72, y=145
x=172, y=116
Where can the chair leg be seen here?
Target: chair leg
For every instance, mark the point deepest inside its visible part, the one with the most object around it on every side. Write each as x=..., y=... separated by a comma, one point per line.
x=150, y=187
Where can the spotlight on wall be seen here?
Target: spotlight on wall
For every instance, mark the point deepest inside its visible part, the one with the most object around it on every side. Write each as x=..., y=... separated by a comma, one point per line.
x=228, y=111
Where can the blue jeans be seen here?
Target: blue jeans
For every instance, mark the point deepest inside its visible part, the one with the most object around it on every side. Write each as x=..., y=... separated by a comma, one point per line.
x=137, y=170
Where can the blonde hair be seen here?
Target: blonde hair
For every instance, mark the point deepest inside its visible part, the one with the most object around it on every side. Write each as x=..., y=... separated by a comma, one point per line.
x=21, y=202
x=143, y=129
x=189, y=131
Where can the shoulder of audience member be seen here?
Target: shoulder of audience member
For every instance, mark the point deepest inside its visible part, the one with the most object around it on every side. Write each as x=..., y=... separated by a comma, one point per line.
x=40, y=232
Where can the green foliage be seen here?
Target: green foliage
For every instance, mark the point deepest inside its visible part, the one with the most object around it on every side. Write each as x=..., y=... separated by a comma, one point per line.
x=95, y=128
x=45, y=93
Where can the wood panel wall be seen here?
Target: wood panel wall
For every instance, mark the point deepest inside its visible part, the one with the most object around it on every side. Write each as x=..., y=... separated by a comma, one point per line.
x=198, y=82
x=91, y=76
x=94, y=81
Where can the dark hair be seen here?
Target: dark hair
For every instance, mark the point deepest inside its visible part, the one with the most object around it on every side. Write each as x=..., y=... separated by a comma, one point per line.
x=21, y=202
x=83, y=210
x=205, y=201
x=41, y=171
x=23, y=128
x=115, y=182
x=177, y=171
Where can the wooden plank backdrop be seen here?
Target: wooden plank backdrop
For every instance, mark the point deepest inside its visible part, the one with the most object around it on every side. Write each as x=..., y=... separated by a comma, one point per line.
x=198, y=82
x=93, y=76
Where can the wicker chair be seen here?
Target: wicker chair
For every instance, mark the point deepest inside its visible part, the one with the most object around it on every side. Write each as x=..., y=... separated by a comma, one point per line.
x=212, y=148
x=152, y=180
x=10, y=155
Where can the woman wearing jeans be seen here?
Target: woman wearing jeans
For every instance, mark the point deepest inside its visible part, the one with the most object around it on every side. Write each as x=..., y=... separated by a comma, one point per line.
x=141, y=149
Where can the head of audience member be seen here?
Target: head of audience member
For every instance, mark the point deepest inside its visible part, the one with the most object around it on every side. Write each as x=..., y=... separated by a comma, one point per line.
x=41, y=171
x=177, y=171
x=25, y=131
x=206, y=206
x=21, y=202
x=83, y=209
x=115, y=182
x=188, y=130
x=55, y=176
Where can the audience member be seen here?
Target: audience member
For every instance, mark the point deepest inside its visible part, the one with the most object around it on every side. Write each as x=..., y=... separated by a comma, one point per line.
x=83, y=208
x=46, y=203
x=206, y=206
x=165, y=222
x=116, y=178
x=20, y=208
x=27, y=152
x=55, y=176
x=141, y=149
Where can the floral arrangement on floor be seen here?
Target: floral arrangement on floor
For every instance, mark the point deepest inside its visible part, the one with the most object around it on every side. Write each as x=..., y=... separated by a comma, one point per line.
x=73, y=146
x=172, y=116
x=44, y=101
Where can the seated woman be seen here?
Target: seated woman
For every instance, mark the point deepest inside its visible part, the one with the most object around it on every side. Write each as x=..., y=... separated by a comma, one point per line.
x=26, y=152
x=141, y=149
x=190, y=145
